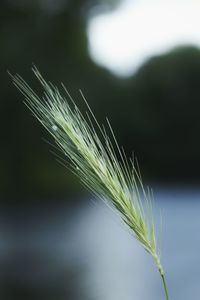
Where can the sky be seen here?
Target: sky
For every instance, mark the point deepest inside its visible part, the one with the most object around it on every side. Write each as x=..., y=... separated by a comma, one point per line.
x=124, y=39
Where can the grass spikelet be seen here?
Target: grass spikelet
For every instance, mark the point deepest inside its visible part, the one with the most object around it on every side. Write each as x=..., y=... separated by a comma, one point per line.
x=94, y=158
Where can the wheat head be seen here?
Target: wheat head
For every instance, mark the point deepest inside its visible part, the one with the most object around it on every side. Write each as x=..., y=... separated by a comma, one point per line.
x=99, y=163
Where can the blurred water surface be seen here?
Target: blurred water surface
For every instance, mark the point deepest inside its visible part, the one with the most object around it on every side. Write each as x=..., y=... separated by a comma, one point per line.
x=84, y=252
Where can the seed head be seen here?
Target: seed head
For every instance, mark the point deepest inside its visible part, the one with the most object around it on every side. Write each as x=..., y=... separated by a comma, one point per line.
x=99, y=163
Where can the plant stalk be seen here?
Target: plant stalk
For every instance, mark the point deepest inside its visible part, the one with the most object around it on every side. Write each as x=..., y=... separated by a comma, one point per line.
x=165, y=285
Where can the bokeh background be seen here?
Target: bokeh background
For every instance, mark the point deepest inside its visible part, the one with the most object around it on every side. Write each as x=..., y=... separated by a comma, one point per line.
x=137, y=63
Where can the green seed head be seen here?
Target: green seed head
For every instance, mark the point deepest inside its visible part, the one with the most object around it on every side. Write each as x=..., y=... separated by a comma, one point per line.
x=94, y=159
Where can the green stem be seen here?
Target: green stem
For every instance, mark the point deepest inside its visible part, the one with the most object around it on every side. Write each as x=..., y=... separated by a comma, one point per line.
x=165, y=285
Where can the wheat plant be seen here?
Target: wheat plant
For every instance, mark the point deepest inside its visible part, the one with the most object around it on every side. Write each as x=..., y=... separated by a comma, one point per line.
x=96, y=159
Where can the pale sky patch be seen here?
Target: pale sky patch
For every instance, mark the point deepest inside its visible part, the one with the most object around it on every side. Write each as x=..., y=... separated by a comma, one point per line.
x=124, y=39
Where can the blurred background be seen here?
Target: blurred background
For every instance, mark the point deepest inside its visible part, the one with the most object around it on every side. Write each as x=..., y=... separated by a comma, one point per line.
x=137, y=63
